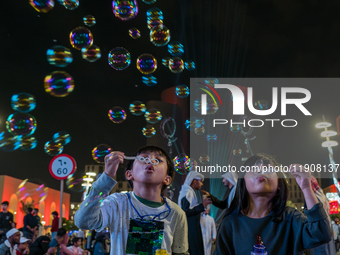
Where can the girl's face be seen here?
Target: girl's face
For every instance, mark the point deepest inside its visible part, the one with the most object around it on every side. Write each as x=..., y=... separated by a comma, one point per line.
x=258, y=183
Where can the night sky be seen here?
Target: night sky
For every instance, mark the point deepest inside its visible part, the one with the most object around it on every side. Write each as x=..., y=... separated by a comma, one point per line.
x=226, y=38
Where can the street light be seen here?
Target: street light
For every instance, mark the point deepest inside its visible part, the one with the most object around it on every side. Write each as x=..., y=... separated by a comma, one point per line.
x=87, y=183
x=329, y=144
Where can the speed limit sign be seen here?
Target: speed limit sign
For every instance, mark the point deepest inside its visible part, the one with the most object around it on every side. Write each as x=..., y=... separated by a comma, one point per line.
x=62, y=166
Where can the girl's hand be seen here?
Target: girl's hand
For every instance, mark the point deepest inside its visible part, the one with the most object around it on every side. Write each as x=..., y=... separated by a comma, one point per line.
x=301, y=175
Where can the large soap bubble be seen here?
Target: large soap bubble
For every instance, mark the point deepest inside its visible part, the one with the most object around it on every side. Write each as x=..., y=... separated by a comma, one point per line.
x=91, y=53
x=137, y=108
x=23, y=102
x=125, y=9
x=176, y=65
x=160, y=35
x=149, y=131
x=22, y=124
x=28, y=143
x=146, y=63
x=53, y=149
x=117, y=114
x=182, y=91
x=100, y=151
x=119, y=58
x=153, y=116
x=62, y=137
x=42, y=5
x=59, y=56
x=81, y=37
x=59, y=84
x=175, y=48
x=89, y=20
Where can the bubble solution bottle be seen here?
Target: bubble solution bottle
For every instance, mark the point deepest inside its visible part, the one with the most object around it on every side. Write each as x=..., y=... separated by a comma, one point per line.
x=259, y=248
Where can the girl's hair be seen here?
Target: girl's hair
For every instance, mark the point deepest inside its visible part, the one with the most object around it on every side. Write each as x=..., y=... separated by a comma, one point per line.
x=241, y=201
x=152, y=148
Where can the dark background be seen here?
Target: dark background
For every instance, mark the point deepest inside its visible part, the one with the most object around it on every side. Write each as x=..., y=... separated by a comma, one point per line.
x=225, y=38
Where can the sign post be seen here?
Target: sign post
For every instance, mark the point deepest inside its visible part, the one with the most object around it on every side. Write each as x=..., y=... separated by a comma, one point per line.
x=61, y=166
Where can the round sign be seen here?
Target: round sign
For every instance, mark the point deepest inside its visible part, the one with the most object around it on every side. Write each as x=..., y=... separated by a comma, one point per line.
x=62, y=166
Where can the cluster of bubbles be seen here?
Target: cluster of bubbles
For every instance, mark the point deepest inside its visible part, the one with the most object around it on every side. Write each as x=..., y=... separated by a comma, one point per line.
x=23, y=192
x=149, y=80
x=55, y=146
x=117, y=114
x=59, y=84
x=182, y=91
x=148, y=131
x=204, y=159
x=119, y=58
x=183, y=164
x=153, y=116
x=100, y=151
x=20, y=125
x=125, y=9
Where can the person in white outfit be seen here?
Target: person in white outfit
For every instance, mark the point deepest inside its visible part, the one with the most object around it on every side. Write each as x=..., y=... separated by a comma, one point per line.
x=208, y=231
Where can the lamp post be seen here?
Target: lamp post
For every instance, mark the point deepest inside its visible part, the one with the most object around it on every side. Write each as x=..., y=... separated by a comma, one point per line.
x=329, y=144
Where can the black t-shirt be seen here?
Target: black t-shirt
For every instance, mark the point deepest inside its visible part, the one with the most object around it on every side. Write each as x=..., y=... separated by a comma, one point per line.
x=5, y=221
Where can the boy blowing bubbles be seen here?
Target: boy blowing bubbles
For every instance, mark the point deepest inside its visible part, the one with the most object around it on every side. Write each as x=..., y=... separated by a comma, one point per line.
x=141, y=220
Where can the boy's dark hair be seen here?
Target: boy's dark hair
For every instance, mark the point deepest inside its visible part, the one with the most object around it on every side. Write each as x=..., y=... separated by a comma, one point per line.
x=75, y=239
x=152, y=148
x=36, y=209
x=5, y=203
x=55, y=213
x=61, y=232
x=29, y=209
x=241, y=200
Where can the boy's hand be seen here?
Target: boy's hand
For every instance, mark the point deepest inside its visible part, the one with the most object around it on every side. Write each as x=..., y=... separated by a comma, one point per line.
x=302, y=176
x=112, y=162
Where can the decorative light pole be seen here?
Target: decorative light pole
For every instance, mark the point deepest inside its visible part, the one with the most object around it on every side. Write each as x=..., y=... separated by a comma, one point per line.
x=329, y=144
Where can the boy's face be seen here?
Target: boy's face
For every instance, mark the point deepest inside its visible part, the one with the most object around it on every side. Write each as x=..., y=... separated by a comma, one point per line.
x=4, y=207
x=146, y=173
x=22, y=246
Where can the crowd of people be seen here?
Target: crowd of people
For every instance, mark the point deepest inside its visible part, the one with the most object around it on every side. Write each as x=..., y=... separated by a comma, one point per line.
x=256, y=219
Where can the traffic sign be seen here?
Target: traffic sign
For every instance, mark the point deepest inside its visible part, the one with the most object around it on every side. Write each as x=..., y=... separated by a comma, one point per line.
x=62, y=166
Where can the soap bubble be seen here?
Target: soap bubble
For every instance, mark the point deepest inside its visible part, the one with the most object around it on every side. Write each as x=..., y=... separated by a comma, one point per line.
x=125, y=9
x=237, y=152
x=134, y=33
x=42, y=5
x=59, y=56
x=62, y=137
x=71, y=4
x=204, y=159
x=91, y=53
x=117, y=114
x=149, y=80
x=23, y=102
x=182, y=163
x=24, y=191
x=28, y=143
x=119, y=58
x=199, y=130
x=189, y=65
x=154, y=13
x=176, y=65
x=149, y=131
x=23, y=124
x=137, y=108
x=175, y=48
x=75, y=184
x=211, y=106
x=212, y=81
x=89, y=20
x=149, y=1
x=81, y=37
x=261, y=104
x=53, y=149
x=182, y=91
x=193, y=123
x=59, y=84
x=160, y=35
x=212, y=138
x=235, y=128
x=154, y=22
x=100, y=151
x=146, y=63
x=10, y=143
x=165, y=61
x=153, y=116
